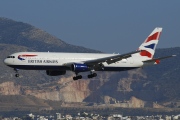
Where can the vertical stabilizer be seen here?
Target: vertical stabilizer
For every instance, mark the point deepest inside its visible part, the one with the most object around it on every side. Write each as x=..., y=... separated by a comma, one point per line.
x=149, y=45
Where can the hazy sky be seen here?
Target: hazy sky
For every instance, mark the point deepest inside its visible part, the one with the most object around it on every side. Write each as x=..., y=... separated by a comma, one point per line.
x=118, y=26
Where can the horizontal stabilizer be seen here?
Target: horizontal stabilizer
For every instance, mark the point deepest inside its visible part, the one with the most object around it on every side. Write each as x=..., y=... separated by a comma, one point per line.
x=157, y=60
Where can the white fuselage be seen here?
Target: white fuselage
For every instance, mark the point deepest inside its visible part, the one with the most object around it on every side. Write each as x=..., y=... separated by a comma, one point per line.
x=58, y=61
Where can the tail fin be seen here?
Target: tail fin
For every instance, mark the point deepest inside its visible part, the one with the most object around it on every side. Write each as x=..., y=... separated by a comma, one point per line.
x=149, y=45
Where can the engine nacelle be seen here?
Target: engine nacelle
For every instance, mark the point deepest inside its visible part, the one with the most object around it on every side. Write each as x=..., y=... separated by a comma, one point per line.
x=55, y=72
x=78, y=67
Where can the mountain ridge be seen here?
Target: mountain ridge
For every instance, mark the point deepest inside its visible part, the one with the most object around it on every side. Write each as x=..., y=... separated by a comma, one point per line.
x=25, y=33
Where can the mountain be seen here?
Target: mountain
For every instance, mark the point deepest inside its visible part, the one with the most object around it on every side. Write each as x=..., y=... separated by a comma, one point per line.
x=23, y=34
x=154, y=86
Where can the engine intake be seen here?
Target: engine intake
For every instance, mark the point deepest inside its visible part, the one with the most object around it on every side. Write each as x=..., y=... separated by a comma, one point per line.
x=78, y=67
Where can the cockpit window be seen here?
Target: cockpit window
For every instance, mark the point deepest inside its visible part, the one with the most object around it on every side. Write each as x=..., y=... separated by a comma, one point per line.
x=10, y=56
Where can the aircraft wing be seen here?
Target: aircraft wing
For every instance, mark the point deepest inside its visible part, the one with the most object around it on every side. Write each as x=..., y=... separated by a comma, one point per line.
x=111, y=59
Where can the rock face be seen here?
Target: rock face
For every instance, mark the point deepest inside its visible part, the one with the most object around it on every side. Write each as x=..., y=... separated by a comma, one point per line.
x=67, y=90
x=137, y=103
x=71, y=91
x=9, y=88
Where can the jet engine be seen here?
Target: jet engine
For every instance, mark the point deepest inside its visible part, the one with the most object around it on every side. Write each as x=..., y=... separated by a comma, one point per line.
x=78, y=67
x=55, y=72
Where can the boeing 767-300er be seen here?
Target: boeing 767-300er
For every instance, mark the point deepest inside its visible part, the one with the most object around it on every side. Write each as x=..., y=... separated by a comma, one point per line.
x=58, y=63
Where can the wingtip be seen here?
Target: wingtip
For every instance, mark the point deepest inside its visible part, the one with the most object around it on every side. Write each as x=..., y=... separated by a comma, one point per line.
x=174, y=55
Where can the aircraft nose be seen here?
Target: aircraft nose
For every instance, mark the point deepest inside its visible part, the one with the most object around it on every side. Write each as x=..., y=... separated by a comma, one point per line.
x=6, y=61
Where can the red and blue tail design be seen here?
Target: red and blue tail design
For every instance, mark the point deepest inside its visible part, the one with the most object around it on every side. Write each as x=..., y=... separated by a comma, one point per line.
x=149, y=45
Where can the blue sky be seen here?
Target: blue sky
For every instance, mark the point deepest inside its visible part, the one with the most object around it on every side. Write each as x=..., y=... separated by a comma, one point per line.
x=110, y=26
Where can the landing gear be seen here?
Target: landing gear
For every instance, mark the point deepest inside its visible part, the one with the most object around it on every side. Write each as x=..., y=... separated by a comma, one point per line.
x=89, y=76
x=17, y=75
x=77, y=77
x=92, y=75
x=16, y=71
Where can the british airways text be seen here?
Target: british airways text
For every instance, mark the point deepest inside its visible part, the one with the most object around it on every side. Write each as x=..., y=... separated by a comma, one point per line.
x=42, y=61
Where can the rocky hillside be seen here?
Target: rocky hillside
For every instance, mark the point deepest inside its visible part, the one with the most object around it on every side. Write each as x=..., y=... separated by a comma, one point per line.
x=135, y=88
x=22, y=34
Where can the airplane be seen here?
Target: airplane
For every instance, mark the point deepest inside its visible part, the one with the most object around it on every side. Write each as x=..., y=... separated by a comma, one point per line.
x=57, y=63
